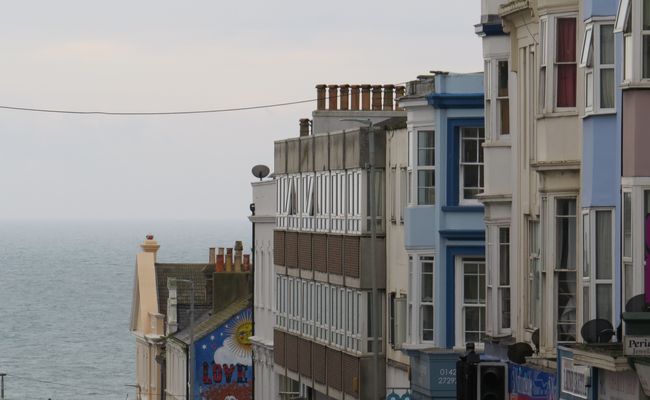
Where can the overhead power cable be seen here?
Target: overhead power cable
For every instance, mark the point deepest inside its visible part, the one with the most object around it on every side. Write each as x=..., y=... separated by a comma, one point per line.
x=151, y=113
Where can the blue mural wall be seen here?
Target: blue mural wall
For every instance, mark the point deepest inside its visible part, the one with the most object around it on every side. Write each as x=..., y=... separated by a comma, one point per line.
x=224, y=363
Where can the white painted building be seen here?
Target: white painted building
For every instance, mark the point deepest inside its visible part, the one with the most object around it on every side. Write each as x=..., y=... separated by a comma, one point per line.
x=266, y=381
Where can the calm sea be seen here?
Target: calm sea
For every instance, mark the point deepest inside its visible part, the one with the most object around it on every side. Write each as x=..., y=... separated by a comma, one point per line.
x=65, y=300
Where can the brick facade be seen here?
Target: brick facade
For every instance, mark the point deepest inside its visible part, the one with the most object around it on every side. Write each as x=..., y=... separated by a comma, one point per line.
x=304, y=347
x=291, y=250
x=350, y=374
x=319, y=368
x=334, y=369
x=335, y=254
x=291, y=343
x=279, y=347
x=351, y=245
x=278, y=247
x=304, y=251
x=319, y=252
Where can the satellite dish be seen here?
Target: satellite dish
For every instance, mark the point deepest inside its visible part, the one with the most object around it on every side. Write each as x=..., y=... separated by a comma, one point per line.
x=535, y=339
x=518, y=352
x=597, y=331
x=260, y=171
x=636, y=304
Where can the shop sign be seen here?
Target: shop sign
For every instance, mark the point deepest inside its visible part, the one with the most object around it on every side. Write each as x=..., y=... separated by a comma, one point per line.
x=636, y=345
x=525, y=383
x=575, y=379
x=617, y=385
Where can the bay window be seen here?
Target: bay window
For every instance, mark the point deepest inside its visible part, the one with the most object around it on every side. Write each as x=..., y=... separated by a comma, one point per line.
x=628, y=265
x=498, y=281
x=534, y=274
x=421, y=299
x=633, y=19
x=597, y=58
x=503, y=103
x=565, y=269
x=497, y=104
x=557, y=63
x=471, y=164
x=470, y=301
x=425, y=167
x=598, y=265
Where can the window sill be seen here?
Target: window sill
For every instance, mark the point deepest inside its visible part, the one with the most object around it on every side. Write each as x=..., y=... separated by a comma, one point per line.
x=497, y=143
x=558, y=114
x=462, y=208
x=609, y=111
x=636, y=84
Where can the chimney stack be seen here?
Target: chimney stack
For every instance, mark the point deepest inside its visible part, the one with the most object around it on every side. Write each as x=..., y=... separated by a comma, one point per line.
x=238, y=255
x=320, y=97
x=150, y=246
x=229, y=259
x=354, y=94
x=376, y=97
x=246, y=266
x=345, y=97
x=333, y=97
x=212, y=256
x=304, y=127
x=365, y=97
x=220, y=261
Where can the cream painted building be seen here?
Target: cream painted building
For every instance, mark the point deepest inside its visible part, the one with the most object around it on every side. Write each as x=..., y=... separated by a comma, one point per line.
x=147, y=324
x=397, y=363
x=545, y=143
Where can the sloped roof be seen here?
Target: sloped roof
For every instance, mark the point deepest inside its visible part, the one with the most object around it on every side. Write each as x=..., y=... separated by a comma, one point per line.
x=200, y=274
x=208, y=322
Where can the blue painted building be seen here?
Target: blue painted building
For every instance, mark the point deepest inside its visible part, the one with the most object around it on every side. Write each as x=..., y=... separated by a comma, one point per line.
x=444, y=228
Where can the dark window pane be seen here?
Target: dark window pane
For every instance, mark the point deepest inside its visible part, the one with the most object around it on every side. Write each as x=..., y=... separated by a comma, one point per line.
x=426, y=139
x=472, y=319
x=646, y=15
x=503, y=79
x=604, y=302
x=470, y=153
x=470, y=176
x=505, y=308
x=607, y=88
x=504, y=116
x=646, y=56
x=426, y=178
x=426, y=157
x=566, y=85
x=607, y=44
x=426, y=196
x=566, y=40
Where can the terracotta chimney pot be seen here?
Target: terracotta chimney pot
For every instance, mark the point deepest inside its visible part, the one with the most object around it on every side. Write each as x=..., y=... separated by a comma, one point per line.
x=304, y=127
x=333, y=96
x=228, y=259
x=388, y=97
x=365, y=97
x=320, y=97
x=345, y=97
x=354, y=94
x=246, y=266
x=376, y=97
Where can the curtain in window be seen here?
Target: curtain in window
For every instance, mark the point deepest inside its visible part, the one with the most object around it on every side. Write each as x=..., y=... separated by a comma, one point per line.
x=566, y=57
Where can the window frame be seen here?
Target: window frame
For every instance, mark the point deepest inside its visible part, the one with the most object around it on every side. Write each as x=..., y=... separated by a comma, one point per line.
x=627, y=259
x=590, y=62
x=629, y=20
x=557, y=271
x=480, y=162
x=416, y=167
x=495, y=286
x=548, y=64
x=414, y=323
x=461, y=306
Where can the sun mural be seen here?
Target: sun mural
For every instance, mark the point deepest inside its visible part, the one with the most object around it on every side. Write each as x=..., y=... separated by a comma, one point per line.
x=224, y=360
x=238, y=335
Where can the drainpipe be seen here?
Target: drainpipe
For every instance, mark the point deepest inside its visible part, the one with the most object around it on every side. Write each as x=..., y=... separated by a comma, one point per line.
x=252, y=271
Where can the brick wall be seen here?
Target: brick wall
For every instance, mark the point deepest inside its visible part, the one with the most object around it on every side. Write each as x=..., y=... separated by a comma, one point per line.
x=304, y=251
x=304, y=361
x=278, y=247
x=291, y=343
x=278, y=347
x=319, y=251
x=334, y=369
x=350, y=372
x=319, y=368
x=351, y=245
x=335, y=254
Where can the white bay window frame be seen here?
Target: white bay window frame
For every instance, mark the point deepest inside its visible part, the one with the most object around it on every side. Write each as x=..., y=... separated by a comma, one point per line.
x=598, y=265
x=548, y=63
x=627, y=253
x=292, y=204
x=478, y=303
x=595, y=67
x=354, y=199
x=419, y=169
x=499, y=281
x=477, y=163
x=338, y=188
x=636, y=36
x=417, y=332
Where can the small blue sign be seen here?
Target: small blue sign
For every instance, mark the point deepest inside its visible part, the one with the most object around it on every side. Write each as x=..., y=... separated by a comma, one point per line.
x=525, y=383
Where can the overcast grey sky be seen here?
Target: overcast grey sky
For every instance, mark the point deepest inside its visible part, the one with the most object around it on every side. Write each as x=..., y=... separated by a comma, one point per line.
x=167, y=55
